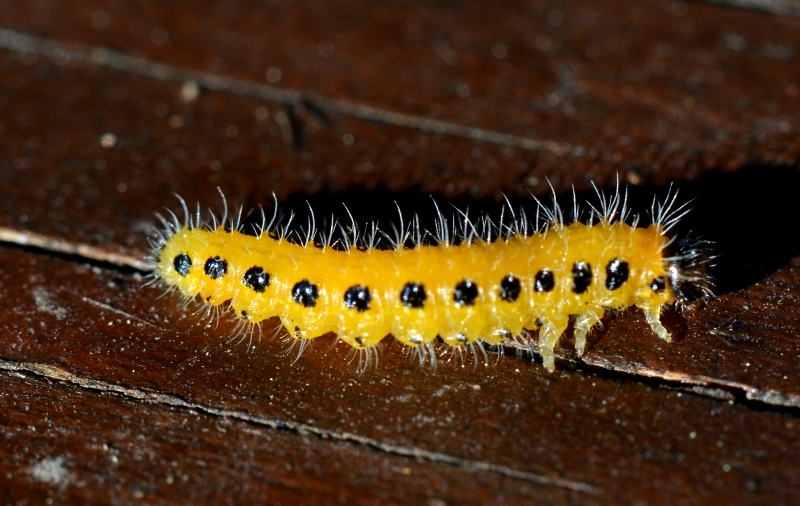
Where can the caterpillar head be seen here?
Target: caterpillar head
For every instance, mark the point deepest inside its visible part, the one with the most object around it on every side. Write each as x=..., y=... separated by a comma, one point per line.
x=688, y=266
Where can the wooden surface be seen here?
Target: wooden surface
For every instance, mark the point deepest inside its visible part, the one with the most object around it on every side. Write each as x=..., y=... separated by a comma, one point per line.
x=111, y=394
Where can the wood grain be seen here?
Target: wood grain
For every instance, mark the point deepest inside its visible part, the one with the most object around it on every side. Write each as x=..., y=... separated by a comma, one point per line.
x=111, y=393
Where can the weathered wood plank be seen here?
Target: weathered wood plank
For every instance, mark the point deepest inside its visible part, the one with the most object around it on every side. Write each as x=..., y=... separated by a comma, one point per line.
x=57, y=448
x=445, y=99
x=573, y=432
x=68, y=210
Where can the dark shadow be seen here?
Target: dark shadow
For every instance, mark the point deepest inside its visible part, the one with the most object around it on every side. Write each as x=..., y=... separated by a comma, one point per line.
x=381, y=207
x=751, y=215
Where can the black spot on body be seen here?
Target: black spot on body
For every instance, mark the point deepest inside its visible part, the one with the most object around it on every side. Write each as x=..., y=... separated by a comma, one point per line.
x=617, y=272
x=182, y=264
x=581, y=277
x=360, y=341
x=256, y=279
x=216, y=267
x=297, y=333
x=413, y=295
x=544, y=281
x=510, y=288
x=305, y=293
x=357, y=297
x=465, y=293
x=658, y=284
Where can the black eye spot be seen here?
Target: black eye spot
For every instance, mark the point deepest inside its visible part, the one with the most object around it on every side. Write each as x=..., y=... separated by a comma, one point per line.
x=413, y=295
x=273, y=235
x=305, y=293
x=465, y=293
x=617, y=273
x=510, y=288
x=244, y=314
x=256, y=279
x=658, y=284
x=581, y=277
x=216, y=267
x=298, y=333
x=182, y=264
x=359, y=341
x=544, y=281
x=357, y=297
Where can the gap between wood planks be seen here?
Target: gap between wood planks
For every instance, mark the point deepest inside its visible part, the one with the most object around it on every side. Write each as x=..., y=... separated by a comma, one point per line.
x=706, y=386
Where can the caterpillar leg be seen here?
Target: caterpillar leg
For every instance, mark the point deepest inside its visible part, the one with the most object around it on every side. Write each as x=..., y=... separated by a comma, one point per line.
x=652, y=314
x=549, y=332
x=583, y=325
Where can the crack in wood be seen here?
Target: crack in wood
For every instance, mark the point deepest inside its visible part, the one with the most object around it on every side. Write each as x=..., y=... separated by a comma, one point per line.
x=120, y=312
x=709, y=386
x=103, y=57
x=54, y=373
x=779, y=7
x=67, y=248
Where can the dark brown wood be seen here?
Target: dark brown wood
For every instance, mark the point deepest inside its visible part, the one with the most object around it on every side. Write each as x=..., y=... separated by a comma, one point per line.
x=117, y=368
x=112, y=394
x=57, y=447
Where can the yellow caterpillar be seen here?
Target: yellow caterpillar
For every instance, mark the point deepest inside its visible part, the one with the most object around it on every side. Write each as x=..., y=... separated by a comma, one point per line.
x=479, y=291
